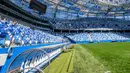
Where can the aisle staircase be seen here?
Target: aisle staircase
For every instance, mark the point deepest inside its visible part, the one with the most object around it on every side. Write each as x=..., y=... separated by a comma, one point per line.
x=89, y=36
x=72, y=41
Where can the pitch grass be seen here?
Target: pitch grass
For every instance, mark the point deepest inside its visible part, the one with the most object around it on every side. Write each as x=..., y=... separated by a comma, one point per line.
x=94, y=58
x=102, y=58
x=63, y=63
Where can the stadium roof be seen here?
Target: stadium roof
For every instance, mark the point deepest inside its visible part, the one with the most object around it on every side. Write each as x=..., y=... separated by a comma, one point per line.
x=87, y=7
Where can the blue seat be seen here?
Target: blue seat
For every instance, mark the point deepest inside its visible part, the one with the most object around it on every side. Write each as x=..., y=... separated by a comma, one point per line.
x=2, y=41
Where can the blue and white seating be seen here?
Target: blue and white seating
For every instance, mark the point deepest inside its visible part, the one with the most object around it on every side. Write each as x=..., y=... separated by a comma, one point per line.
x=92, y=23
x=86, y=37
x=18, y=34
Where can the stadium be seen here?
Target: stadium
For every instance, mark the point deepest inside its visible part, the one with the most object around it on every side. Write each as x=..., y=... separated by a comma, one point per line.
x=64, y=36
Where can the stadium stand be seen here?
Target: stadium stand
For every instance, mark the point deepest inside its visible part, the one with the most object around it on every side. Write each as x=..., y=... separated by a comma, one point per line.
x=15, y=35
x=30, y=40
x=24, y=35
x=88, y=37
x=92, y=23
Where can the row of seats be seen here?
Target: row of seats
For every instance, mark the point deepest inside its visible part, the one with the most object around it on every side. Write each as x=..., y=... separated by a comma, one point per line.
x=23, y=35
x=92, y=23
x=97, y=36
x=110, y=36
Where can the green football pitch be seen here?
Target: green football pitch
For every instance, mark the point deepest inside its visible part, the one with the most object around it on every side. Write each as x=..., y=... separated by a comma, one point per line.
x=94, y=58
